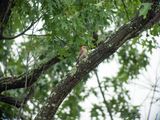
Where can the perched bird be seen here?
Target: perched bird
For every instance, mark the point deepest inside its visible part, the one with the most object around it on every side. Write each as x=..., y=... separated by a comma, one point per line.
x=83, y=54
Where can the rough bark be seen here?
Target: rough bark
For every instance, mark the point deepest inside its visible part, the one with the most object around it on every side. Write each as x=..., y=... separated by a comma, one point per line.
x=103, y=51
x=27, y=79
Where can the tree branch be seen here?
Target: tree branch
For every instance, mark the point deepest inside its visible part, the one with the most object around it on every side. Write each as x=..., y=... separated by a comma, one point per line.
x=153, y=95
x=103, y=51
x=104, y=99
x=10, y=100
x=20, y=81
x=14, y=101
x=36, y=35
x=22, y=33
x=125, y=9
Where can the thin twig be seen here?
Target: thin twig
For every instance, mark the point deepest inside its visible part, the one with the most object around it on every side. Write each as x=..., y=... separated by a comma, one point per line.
x=104, y=99
x=36, y=35
x=125, y=8
x=115, y=4
x=143, y=86
x=154, y=91
x=22, y=33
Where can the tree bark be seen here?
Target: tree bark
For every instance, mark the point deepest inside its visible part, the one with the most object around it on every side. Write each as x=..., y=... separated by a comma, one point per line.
x=103, y=51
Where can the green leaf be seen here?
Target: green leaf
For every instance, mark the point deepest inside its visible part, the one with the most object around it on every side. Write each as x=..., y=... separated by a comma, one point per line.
x=144, y=10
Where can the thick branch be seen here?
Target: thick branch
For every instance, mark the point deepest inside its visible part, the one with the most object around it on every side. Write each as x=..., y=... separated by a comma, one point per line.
x=32, y=77
x=10, y=100
x=103, y=51
x=14, y=101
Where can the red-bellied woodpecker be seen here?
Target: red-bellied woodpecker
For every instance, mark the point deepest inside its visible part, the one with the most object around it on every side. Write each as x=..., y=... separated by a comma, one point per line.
x=83, y=54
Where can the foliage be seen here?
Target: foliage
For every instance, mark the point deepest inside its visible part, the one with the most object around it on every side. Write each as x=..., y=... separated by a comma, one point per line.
x=145, y=8
x=64, y=26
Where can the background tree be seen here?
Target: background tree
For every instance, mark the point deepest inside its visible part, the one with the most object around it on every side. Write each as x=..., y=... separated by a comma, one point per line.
x=40, y=40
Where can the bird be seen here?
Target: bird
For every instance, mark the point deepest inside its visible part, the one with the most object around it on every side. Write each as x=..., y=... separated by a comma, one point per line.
x=83, y=54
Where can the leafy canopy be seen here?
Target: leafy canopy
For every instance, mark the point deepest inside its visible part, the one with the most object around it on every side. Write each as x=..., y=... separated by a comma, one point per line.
x=63, y=26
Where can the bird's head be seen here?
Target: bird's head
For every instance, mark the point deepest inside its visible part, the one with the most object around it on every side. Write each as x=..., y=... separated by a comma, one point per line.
x=83, y=47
